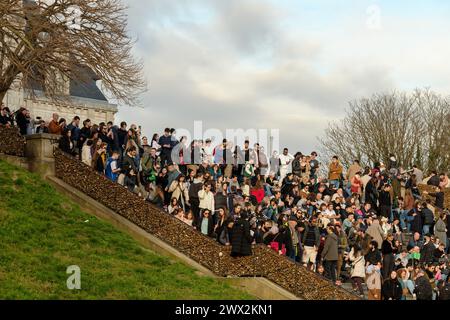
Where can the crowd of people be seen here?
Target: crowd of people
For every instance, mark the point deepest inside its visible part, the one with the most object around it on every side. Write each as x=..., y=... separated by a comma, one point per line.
x=363, y=225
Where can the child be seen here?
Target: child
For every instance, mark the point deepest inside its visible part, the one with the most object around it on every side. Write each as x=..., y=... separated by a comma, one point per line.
x=112, y=171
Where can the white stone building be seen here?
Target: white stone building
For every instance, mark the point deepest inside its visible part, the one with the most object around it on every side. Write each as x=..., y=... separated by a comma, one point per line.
x=84, y=100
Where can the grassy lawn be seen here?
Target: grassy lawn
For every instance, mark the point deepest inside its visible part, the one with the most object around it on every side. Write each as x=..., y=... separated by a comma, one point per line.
x=42, y=233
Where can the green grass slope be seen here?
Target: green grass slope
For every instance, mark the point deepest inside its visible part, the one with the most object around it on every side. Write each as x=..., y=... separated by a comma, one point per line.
x=42, y=233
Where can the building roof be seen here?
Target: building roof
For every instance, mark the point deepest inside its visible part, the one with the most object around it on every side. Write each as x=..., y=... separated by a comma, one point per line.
x=87, y=87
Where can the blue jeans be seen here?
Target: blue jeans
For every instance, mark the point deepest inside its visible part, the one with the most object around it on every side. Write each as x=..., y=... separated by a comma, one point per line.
x=334, y=183
x=425, y=229
x=310, y=211
x=267, y=191
x=348, y=189
x=408, y=222
x=404, y=219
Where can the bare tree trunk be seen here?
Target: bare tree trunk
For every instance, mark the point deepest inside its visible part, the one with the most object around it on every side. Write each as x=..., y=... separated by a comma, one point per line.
x=2, y=94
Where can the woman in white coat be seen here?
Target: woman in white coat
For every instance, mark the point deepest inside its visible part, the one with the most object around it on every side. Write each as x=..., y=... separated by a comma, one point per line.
x=358, y=270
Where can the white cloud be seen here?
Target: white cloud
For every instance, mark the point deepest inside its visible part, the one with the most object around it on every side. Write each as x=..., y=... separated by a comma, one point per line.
x=236, y=64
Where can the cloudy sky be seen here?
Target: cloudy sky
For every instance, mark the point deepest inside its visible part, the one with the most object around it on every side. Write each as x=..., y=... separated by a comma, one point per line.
x=291, y=65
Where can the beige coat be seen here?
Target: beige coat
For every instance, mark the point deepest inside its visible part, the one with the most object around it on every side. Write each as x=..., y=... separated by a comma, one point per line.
x=206, y=200
x=376, y=232
x=177, y=190
x=373, y=280
x=354, y=168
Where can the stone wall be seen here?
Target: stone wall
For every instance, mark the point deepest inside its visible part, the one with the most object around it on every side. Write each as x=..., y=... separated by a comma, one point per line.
x=264, y=262
x=97, y=111
x=11, y=141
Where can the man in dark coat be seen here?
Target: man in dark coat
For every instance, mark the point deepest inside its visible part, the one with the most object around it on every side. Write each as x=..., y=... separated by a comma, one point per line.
x=241, y=239
x=130, y=169
x=427, y=251
x=371, y=192
x=427, y=218
x=385, y=202
x=439, y=195
x=416, y=223
x=434, y=179
x=22, y=121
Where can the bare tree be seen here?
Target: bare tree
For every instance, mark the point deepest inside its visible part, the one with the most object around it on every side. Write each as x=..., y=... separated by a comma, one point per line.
x=46, y=43
x=414, y=127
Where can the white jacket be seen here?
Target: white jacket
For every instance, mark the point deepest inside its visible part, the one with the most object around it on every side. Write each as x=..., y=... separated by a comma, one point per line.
x=86, y=156
x=206, y=200
x=358, y=265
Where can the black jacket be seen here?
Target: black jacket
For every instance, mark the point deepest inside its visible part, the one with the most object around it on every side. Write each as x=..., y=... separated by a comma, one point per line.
x=416, y=224
x=423, y=289
x=5, y=120
x=391, y=288
x=241, y=239
x=128, y=164
x=434, y=181
x=22, y=123
x=284, y=237
x=385, y=198
x=194, y=188
x=427, y=216
x=220, y=201
x=373, y=257
x=427, y=252
x=371, y=194
x=64, y=145
x=439, y=199
x=85, y=133
x=311, y=236
x=210, y=226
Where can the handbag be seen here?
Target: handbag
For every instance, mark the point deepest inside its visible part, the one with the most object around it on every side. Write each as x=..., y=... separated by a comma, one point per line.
x=275, y=245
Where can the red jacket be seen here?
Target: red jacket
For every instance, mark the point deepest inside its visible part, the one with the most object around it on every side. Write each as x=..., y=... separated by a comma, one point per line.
x=258, y=193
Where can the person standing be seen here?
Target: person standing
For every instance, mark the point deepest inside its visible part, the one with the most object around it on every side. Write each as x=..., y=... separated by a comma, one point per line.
x=311, y=243
x=130, y=169
x=354, y=169
x=388, y=250
x=314, y=165
x=371, y=192
x=285, y=163
x=22, y=121
x=330, y=254
x=112, y=170
x=440, y=228
x=357, y=272
x=206, y=198
x=54, y=127
x=241, y=238
x=335, y=172
x=342, y=247
x=385, y=202
x=74, y=127
x=373, y=281
x=165, y=141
